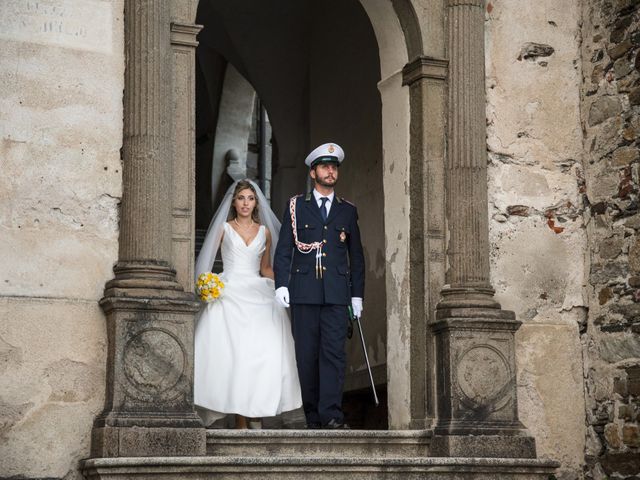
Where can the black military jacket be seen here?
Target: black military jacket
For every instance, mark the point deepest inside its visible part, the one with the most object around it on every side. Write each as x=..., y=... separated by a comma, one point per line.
x=342, y=275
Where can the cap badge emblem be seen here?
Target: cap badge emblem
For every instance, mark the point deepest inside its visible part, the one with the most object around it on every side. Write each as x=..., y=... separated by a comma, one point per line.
x=331, y=149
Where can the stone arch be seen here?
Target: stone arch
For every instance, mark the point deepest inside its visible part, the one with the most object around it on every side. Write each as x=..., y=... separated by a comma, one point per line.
x=404, y=118
x=413, y=116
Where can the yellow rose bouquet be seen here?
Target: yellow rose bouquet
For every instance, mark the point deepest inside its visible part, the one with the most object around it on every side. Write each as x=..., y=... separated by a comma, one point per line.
x=209, y=287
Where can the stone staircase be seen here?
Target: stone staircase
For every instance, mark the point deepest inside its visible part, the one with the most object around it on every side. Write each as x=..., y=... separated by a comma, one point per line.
x=331, y=444
x=318, y=454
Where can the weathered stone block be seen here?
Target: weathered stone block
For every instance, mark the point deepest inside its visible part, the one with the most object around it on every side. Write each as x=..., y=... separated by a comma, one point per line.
x=604, y=108
x=615, y=347
x=148, y=442
x=633, y=380
x=603, y=273
x=634, y=256
x=619, y=29
x=620, y=386
x=626, y=463
x=484, y=446
x=622, y=67
x=611, y=247
x=612, y=435
x=626, y=412
x=605, y=295
x=634, y=96
x=630, y=435
x=624, y=156
x=52, y=386
x=620, y=49
x=550, y=401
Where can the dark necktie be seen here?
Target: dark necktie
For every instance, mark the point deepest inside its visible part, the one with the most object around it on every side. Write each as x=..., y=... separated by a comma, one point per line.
x=323, y=208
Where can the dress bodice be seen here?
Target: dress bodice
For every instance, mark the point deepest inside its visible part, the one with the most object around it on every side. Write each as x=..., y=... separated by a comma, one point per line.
x=237, y=256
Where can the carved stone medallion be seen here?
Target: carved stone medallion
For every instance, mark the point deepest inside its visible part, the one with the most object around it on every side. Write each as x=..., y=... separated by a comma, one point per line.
x=483, y=378
x=154, y=362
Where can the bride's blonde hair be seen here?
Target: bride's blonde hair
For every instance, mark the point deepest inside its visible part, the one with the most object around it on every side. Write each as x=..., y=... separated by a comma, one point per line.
x=244, y=185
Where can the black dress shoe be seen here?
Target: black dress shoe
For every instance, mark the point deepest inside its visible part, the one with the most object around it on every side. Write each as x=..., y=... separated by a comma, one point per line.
x=314, y=426
x=334, y=424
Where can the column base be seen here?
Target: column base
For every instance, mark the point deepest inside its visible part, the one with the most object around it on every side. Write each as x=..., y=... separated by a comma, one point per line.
x=145, y=279
x=483, y=446
x=477, y=402
x=149, y=399
x=109, y=442
x=457, y=297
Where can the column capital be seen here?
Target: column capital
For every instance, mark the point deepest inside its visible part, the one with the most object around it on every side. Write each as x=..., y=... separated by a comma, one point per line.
x=425, y=67
x=184, y=34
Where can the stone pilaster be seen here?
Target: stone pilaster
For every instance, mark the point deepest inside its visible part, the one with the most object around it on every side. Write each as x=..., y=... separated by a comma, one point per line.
x=149, y=396
x=183, y=40
x=477, y=404
x=426, y=78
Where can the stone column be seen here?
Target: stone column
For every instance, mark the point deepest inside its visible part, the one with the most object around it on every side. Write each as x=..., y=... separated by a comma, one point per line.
x=149, y=395
x=466, y=179
x=477, y=404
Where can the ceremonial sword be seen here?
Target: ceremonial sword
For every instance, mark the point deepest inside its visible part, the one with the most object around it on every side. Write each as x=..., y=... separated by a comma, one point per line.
x=364, y=350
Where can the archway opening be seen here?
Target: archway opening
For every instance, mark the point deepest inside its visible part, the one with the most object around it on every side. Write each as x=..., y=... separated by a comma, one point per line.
x=315, y=67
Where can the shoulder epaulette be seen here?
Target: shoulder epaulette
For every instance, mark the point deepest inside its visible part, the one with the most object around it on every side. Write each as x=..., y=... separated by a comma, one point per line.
x=347, y=201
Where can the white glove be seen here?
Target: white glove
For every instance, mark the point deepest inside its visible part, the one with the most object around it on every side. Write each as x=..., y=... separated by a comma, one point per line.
x=356, y=306
x=282, y=296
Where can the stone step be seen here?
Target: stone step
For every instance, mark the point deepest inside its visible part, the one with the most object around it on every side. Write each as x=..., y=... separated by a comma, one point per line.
x=312, y=468
x=319, y=443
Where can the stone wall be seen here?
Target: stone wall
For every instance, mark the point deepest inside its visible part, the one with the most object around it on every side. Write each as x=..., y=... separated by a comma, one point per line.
x=537, y=231
x=61, y=81
x=610, y=98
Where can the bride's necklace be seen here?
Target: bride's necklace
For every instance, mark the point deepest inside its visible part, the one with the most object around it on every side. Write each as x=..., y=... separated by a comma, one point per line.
x=246, y=227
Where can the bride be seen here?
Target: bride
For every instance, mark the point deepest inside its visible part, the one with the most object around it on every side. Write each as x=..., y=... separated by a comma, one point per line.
x=244, y=360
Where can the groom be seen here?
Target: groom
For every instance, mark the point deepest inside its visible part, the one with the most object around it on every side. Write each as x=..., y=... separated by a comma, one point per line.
x=319, y=270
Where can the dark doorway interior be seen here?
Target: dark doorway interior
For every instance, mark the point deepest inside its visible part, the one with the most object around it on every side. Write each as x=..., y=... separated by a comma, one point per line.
x=314, y=67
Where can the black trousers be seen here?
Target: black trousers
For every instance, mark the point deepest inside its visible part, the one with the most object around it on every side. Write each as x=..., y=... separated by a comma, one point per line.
x=319, y=332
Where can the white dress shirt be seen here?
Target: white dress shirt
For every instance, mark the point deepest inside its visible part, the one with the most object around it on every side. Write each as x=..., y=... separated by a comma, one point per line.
x=317, y=195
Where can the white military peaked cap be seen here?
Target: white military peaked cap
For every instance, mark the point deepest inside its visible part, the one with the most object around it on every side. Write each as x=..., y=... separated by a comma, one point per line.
x=329, y=152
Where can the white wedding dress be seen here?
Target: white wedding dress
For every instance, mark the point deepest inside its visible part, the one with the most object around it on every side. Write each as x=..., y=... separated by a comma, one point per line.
x=244, y=360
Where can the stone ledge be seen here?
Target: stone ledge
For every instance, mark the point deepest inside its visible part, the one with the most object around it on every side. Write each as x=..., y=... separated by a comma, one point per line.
x=319, y=443
x=298, y=467
x=315, y=435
